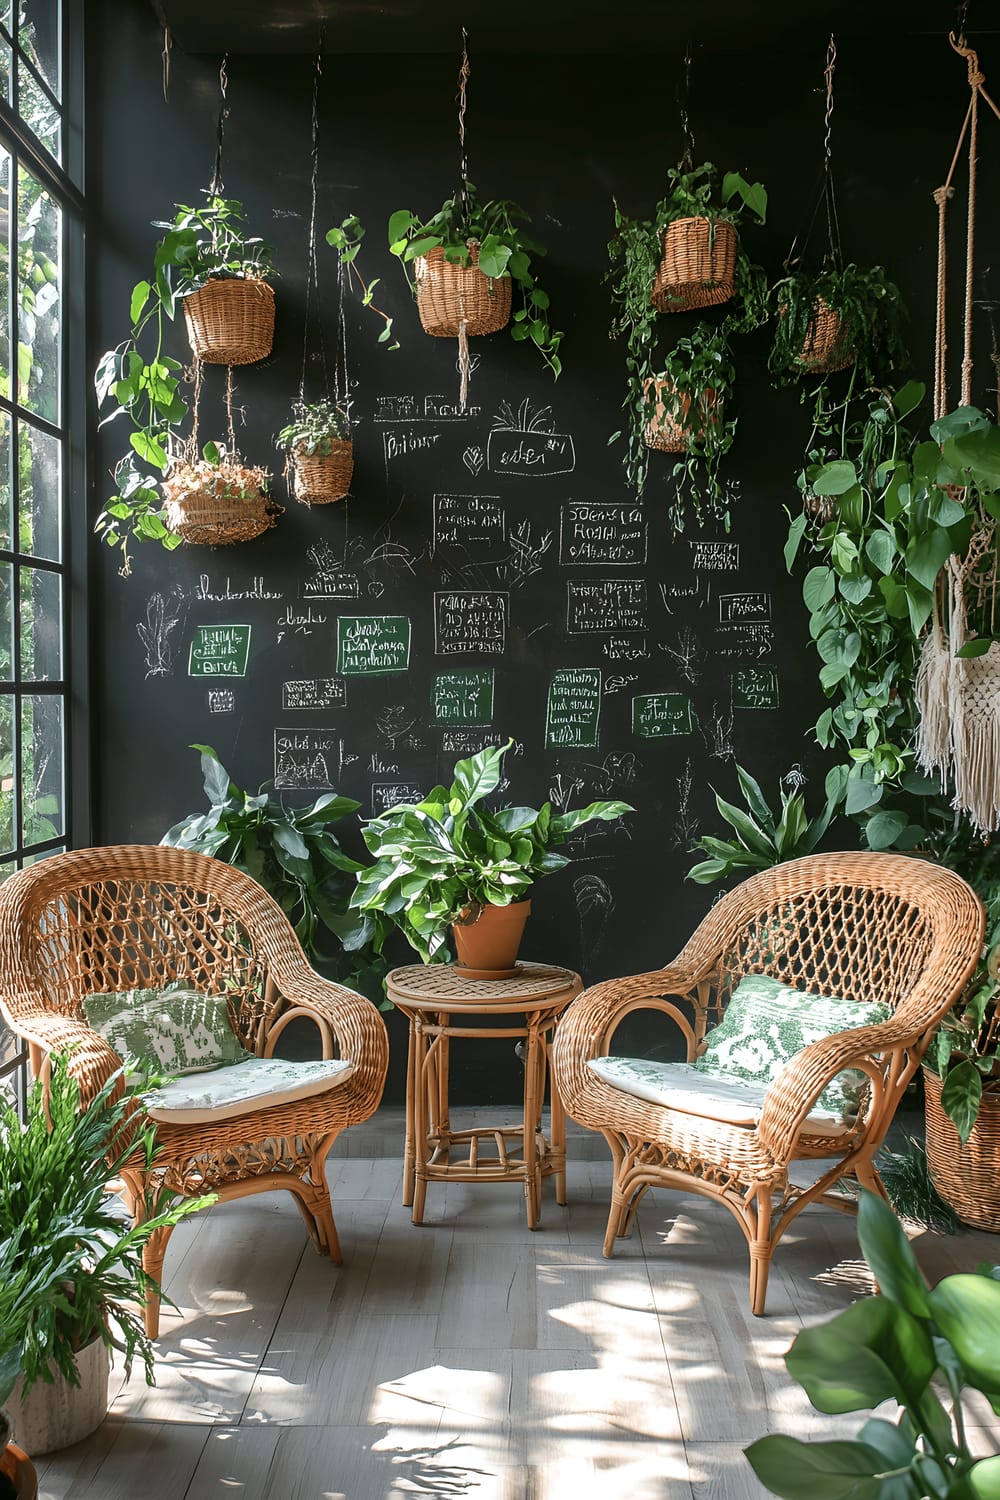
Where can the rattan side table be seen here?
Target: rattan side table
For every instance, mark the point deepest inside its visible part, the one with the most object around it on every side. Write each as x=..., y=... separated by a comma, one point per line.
x=435, y=999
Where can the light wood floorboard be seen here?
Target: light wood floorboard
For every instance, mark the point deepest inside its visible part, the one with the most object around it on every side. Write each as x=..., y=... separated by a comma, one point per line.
x=472, y=1357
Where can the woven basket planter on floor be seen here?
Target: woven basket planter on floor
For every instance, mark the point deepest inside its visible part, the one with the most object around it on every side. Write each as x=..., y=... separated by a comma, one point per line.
x=670, y=430
x=967, y=1177
x=208, y=520
x=825, y=350
x=230, y=320
x=697, y=267
x=448, y=295
x=319, y=478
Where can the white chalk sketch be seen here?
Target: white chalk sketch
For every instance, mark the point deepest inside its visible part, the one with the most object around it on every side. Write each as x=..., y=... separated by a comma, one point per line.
x=163, y=614
x=745, y=609
x=696, y=590
x=717, y=729
x=330, y=579
x=294, y=621
x=598, y=532
x=618, y=769
x=471, y=621
x=619, y=683
x=626, y=648
x=687, y=653
x=741, y=641
x=794, y=778
x=221, y=700
x=524, y=442
x=525, y=554
x=424, y=408
x=474, y=459
x=313, y=693
x=686, y=824
x=594, y=905
x=393, y=722
x=399, y=442
x=475, y=524
x=226, y=594
x=715, y=557
x=306, y=758
x=563, y=790
x=606, y=606
x=386, y=794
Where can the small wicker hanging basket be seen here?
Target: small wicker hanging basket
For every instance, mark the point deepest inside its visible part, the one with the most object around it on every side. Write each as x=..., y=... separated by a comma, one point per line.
x=671, y=428
x=697, y=267
x=825, y=349
x=967, y=1177
x=449, y=294
x=230, y=320
x=200, y=512
x=320, y=478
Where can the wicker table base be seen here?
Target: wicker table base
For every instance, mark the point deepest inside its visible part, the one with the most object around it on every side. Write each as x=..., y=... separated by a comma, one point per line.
x=435, y=1000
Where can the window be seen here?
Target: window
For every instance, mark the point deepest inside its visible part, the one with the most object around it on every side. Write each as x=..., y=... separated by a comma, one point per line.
x=42, y=402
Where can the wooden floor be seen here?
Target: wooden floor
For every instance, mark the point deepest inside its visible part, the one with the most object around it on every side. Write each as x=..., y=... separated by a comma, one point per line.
x=471, y=1357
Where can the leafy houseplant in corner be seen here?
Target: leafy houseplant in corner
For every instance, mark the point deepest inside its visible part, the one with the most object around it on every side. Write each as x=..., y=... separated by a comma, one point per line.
x=906, y=1344
x=70, y=1270
x=295, y=855
x=319, y=454
x=448, y=862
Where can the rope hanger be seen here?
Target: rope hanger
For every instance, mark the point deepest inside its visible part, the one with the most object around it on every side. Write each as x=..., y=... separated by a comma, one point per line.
x=340, y=378
x=826, y=196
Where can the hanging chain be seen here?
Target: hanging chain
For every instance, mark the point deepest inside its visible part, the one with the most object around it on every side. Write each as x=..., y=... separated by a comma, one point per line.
x=216, y=187
x=684, y=105
x=463, y=166
x=312, y=269
x=833, y=252
x=961, y=16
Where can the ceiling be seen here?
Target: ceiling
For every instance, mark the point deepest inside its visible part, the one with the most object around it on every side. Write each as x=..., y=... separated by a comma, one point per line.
x=550, y=26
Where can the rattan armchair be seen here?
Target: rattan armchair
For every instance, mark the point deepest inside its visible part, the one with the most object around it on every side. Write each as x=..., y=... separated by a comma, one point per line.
x=863, y=926
x=111, y=919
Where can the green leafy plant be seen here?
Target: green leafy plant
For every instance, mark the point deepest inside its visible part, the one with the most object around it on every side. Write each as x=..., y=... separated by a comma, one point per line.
x=693, y=392
x=346, y=239
x=297, y=858
x=139, y=380
x=634, y=252
x=315, y=427
x=900, y=1345
x=439, y=859
x=871, y=313
x=70, y=1269
x=764, y=837
x=504, y=249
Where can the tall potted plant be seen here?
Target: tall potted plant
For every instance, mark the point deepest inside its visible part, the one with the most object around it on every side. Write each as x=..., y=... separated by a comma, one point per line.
x=71, y=1269
x=449, y=863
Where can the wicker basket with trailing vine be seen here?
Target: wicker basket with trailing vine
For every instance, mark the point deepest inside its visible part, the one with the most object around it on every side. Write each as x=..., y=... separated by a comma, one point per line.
x=217, y=505
x=697, y=266
x=967, y=1176
x=670, y=426
x=230, y=320
x=825, y=349
x=449, y=295
x=320, y=478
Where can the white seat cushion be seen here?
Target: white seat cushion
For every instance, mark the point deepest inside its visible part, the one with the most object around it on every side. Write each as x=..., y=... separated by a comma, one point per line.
x=238, y=1090
x=681, y=1087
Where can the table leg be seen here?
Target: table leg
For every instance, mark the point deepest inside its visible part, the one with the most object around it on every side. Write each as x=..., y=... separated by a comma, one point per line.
x=557, y=1128
x=534, y=1083
x=420, y=1140
x=409, y=1148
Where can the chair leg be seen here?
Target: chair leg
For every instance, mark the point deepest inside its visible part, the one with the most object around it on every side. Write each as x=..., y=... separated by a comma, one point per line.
x=761, y=1250
x=153, y=1254
x=868, y=1177
x=313, y=1202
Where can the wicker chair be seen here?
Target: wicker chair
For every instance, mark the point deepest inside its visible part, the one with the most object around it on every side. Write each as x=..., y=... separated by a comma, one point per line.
x=862, y=926
x=107, y=920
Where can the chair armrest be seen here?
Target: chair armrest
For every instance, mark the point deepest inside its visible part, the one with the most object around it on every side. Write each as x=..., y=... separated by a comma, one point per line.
x=880, y=1051
x=586, y=1028
x=90, y=1059
x=348, y=1023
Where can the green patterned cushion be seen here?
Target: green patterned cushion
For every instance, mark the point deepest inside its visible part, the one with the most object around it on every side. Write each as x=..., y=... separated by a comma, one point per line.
x=169, y=1031
x=260, y=1082
x=766, y=1023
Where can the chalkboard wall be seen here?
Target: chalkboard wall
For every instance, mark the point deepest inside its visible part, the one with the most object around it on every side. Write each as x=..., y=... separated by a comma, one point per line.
x=519, y=588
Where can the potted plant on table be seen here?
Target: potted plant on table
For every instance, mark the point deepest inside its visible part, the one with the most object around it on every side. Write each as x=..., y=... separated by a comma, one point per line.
x=319, y=454
x=449, y=862
x=70, y=1269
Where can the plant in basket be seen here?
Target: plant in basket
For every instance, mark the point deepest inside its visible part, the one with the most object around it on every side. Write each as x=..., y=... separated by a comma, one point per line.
x=449, y=862
x=839, y=316
x=215, y=499
x=319, y=454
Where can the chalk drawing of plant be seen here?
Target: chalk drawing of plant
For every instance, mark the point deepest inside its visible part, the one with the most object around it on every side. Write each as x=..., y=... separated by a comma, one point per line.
x=686, y=825
x=525, y=554
x=594, y=905
x=394, y=721
x=162, y=618
x=527, y=418
x=718, y=732
x=687, y=654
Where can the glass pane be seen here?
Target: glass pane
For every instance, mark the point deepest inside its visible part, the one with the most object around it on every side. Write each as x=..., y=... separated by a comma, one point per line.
x=38, y=112
x=6, y=526
x=41, y=626
x=6, y=621
x=39, y=466
x=41, y=768
x=5, y=70
x=39, y=223
x=38, y=37
x=7, y=839
x=5, y=273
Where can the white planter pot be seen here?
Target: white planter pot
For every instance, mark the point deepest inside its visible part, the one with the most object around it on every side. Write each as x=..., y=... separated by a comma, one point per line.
x=58, y=1415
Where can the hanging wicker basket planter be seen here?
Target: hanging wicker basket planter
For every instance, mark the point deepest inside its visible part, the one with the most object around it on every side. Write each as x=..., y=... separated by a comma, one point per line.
x=230, y=320
x=697, y=267
x=671, y=428
x=967, y=1177
x=449, y=295
x=825, y=350
x=320, y=478
x=217, y=506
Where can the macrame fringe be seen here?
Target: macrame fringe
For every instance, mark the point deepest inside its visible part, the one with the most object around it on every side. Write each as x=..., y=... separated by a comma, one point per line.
x=464, y=363
x=933, y=746
x=974, y=702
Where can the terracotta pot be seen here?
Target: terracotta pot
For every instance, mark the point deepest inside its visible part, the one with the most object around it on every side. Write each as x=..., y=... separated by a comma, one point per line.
x=672, y=426
x=487, y=944
x=18, y=1468
x=56, y=1415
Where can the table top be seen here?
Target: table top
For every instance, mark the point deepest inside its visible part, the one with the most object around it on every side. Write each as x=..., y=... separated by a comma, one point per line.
x=441, y=987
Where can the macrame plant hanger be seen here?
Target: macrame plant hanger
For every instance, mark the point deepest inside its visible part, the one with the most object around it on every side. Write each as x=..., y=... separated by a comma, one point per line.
x=826, y=197
x=958, y=698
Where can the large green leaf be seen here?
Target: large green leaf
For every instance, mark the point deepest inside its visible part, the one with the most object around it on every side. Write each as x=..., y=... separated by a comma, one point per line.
x=984, y=1479
x=218, y=787
x=884, y=829
x=871, y=1352
x=605, y=812
x=927, y=554
x=753, y=837
x=835, y=478
x=807, y=1471
x=818, y=588
x=960, y=1097
x=880, y=549
x=479, y=775
x=887, y=1251
x=966, y=1308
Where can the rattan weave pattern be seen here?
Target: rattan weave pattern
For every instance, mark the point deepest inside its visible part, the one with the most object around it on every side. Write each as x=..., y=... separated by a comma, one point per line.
x=697, y=265
x=205, y=519
x=967, y=1176
x=320, y=478
x=110, y=919
x=825, y=350
x=449, y=295
x=443, y=982
x=863, y=926
x=230, y=320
